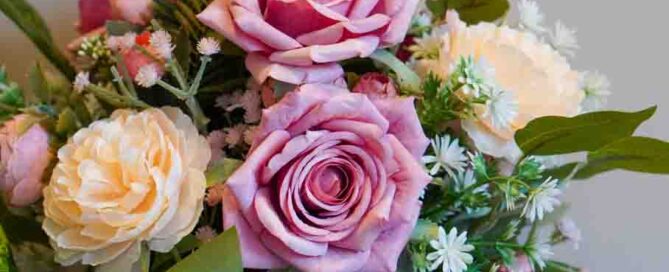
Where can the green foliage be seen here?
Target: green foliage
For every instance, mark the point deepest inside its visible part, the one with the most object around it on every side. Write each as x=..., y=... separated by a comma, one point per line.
x=11, y=97
x=6, y=263
x=222, y=170
x=221, y=254
x=471, y=11
x=31, y=23
x=639, y=154
x=588, y=132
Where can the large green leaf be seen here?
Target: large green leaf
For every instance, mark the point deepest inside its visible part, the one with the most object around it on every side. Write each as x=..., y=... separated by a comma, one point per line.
x=32, y=24
x=588, y=132
x=638, y=154
x=471, y=11
x=221, y=254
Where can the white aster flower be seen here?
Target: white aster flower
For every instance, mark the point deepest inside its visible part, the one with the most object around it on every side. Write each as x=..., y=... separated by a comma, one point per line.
x=570, y=231
x=120, y=43
x=451, y=252
x=597, y=89
x=449, y=155
x=81, y=81
x=161, y=41
x=430, y=44
x=477, y=76
x=147, y=76
x=205, y=234
x=208, y=46
x=539, y=252
x=531, y=17
x=501, y=108
x=542, y=200
x=564, y=39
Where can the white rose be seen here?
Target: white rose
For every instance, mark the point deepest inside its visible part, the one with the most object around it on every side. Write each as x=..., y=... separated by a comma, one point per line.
x=132, y=179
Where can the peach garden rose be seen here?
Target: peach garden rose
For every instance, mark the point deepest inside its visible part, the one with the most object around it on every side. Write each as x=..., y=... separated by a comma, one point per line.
x=300, y=41
x=132, y=179
x=332, y=182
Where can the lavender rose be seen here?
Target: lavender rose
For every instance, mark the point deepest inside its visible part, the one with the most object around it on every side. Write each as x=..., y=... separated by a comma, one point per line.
x=301, y=41
x=24, y=156
x=332, y=182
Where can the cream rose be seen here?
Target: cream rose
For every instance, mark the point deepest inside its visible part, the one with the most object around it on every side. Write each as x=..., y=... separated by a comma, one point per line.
x=131, y=179
x=539, y=77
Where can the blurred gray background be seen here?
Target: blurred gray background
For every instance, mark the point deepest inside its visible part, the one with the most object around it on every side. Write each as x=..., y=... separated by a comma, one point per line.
x=623, y=216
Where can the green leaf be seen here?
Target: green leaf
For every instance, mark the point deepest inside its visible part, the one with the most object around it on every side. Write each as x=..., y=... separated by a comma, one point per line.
x=39, y=88
x=221, y=254
x=471, y=11
x=555, y=266
x=31, y=23
x=425, y=230
x=408, y=79
x=638, y=154
x=6, y=263
x=588, y=132
x=183, y=50
x=67, y=123
x=562, y=172
x=120, y=28
x=221, y=171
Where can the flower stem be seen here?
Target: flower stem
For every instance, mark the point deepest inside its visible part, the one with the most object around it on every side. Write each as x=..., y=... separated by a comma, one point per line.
x=198, y=78
x=121, y=83
x=176, y=71
x=199, y=118
x=115, y=99
x=174, y=90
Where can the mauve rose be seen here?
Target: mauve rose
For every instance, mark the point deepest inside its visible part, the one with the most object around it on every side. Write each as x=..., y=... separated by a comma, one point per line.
x=332, y=183
x=376, y=85
x=94, y=14
x=301, y=41
x=24, y=156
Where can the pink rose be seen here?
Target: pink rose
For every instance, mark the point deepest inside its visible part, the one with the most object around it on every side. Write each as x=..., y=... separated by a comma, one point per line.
x=134, y=11
x=24, y=157
x=302, y=41
x=93, y=14
x=332, y=183
x=376, y=85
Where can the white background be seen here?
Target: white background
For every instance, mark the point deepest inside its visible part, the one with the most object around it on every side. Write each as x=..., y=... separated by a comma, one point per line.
x=623, y=216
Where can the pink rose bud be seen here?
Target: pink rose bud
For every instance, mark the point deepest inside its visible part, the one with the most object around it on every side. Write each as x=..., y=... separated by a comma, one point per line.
x=93, y=14
x=332, y=183
x=301, y=41
x=24, y=157
x=376, y=85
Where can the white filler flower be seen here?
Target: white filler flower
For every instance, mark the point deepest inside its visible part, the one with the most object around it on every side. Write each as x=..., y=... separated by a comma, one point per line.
x=564, y=39
x=449, y=155
x=81, y=81
x=147, y=76
x=501, y=108
x=161, y=41
x=451, y=251
x=531, y=17
x=542, y=200
x=597, y=90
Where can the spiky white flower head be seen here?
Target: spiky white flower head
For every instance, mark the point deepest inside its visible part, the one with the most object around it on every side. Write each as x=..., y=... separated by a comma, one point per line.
x=564, y=39
x=161, y=41
x=542, y=200
x=570, y=231
x=81, y=81
x=597, y=90
x=501, y=108
x=451, y=251
x=539, y=251
x=429, y=45
x=147, y=76
x=449, y=155
x=121, y=43
x=208, y=46
x=205, y=234
x=531, y=18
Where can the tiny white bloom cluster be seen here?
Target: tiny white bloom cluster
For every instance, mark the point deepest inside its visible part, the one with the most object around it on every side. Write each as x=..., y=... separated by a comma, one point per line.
x=542, y=200
x=161, y=41
x=451, y=251
x=81, y=81
x=597, y=89
x=564, y=39
x=570, y=231
x=501, y=108
x=121, y=43
x=540, y=251
x=208, y=46
x=147, y=76
x=531, y=18
x=449, y=155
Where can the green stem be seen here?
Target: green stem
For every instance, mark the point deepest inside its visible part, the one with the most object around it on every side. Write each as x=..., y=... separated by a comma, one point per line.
x=121, y=83
x=407, y=77
x=198, y=78
x=533, y=232
x=199, y=118
x=497, y=244
x=175, y=70
x=8, y=108
x=126, y=74
x=176, y=254
x=174, y=90
x=115, y=99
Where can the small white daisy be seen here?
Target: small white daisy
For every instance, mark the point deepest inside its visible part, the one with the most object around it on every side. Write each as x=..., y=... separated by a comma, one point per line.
x=81, y=81
x=205, y=234
x=501, y=108
x=120, y=43
x=570, y=231
x=539, y=252
x=564, y=39
x=430, y=44
x=161, y=41
x=542, y=200
x=208, y=46
x=449, y=155
x=451, y=252
x=531, y=17
x=147, y=76
x=597, y=90
x=478, y=76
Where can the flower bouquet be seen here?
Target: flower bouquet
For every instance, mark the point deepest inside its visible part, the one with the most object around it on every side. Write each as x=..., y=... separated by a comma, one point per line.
x=303, y=135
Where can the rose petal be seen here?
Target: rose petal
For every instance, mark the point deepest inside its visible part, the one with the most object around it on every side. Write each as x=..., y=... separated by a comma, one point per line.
x=401, y=21
x=356, y=47
x=262, y=69
x=217, y=16
x=257, y=27
x=404, y=123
